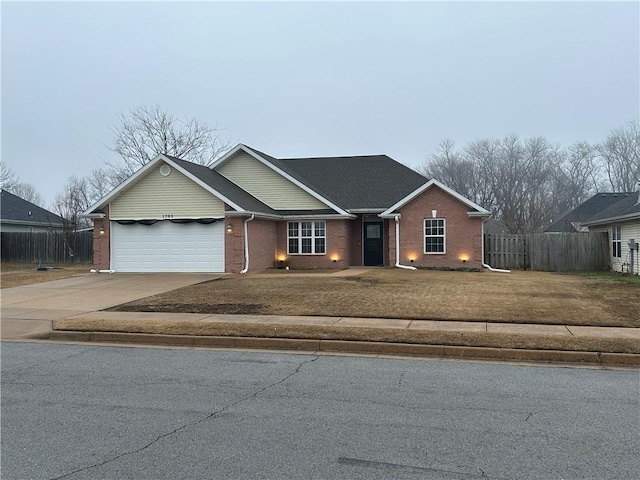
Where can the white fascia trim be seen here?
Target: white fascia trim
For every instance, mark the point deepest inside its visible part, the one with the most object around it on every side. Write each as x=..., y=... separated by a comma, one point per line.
x=366, y=210
x=479, y=214
x=133, y=178
x=388, y=213
x=267, y=216
x=299, y=184
x=93, y=215
x=319, y=217
x=621, y=218
x=228, y=155
x=112, y=194
x=290, y=217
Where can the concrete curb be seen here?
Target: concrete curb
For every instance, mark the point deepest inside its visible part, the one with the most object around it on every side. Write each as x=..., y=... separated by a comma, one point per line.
x=344, y=346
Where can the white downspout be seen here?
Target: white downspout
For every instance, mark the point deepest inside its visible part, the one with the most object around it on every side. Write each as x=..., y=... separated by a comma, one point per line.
x=398, y=247
x=246, y=245
x=491, y=269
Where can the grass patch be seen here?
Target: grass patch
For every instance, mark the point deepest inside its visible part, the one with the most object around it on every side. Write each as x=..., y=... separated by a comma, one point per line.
x=15, y=274
x=517, y=297
x=393, y=335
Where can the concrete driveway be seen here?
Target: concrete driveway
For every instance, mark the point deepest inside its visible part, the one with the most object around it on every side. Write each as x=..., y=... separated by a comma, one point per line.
x=29, y=310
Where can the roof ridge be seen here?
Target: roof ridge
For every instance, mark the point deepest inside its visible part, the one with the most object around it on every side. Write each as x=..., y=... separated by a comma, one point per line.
x=336, y=157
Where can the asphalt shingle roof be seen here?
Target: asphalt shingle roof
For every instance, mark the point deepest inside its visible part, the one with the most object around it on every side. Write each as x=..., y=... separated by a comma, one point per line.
x=17, y=209
x=353, y=182
x=600, y=206
x=627, y=204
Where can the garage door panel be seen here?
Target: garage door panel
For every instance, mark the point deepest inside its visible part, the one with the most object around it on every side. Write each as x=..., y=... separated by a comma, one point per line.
x=167, y=247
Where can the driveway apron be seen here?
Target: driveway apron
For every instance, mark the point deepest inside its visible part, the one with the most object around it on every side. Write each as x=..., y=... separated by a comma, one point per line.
x=29, y=310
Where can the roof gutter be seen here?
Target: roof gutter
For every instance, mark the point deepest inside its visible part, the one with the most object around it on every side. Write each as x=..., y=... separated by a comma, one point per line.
x=406, y=267
x=491, y=269
x=246, y=245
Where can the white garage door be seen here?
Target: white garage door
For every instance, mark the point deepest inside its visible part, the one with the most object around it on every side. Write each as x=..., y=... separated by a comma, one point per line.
x=167, y=247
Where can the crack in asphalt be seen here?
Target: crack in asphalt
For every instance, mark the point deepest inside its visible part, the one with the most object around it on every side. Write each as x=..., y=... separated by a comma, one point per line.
x=22, y=370
x=195, y=422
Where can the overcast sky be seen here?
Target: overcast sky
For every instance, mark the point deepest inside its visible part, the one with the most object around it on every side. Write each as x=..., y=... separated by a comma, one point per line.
x=312, y=79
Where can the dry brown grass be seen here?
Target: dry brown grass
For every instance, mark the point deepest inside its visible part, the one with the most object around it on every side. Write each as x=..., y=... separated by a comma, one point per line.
x=19, y=274
x=392, y=335
x=518, y=297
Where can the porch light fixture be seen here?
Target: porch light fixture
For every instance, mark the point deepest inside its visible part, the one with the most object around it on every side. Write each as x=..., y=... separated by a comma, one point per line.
x=101, y=230
x=230, y=228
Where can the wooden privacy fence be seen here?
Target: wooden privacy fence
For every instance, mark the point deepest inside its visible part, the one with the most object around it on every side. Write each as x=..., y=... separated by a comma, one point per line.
x=45, y=246
x=548, y=252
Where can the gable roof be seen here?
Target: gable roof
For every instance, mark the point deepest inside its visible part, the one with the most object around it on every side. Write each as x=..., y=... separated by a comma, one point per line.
x=353, y=183
x=179, y=167
x=16, y=209
x=346, y=185
x=279, y=167
x=242, y=198
x=367, y=182
x=627, y=207
x=476, y=210
x=600, y=206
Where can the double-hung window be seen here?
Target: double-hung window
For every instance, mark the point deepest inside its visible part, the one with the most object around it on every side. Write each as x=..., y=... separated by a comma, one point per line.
x=307, y=238
x=616, y=239
x=434, y=235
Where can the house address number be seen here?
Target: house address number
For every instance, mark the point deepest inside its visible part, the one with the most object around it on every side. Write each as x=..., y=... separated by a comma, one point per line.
x=167, y=215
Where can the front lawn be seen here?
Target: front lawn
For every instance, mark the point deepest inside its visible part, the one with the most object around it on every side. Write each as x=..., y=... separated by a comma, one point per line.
x=15, y=274
x=519, y=297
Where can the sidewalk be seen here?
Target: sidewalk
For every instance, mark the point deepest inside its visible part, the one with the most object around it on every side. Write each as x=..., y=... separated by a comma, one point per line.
x=360, y=335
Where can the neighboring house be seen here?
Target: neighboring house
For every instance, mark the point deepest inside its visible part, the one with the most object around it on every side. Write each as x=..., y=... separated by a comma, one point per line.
x=572, y=220
x=617, y=214
x=251, y=211
x=18, y=215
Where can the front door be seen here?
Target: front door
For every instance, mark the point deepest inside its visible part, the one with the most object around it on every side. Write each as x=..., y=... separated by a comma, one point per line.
x=373, y=248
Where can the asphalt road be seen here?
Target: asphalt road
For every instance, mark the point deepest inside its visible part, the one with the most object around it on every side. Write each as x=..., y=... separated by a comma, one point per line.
x=85, y=412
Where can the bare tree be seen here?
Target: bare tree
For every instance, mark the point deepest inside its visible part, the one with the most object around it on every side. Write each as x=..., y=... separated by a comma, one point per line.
x=27, y=192
x=621, y=157
x=510, y=177
x=69, y=204
x=8, y=177
x=148, y=131
x=98, y=184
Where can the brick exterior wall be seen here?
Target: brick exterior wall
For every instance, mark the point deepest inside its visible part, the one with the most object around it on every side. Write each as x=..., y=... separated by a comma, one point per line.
x=234, y=245
x=102, y=242
x=463, y=235
x=355, y=241
x=262, y=244
x=338, y=247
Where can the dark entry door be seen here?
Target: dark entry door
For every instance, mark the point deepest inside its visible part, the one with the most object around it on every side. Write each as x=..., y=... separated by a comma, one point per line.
x=373, y=249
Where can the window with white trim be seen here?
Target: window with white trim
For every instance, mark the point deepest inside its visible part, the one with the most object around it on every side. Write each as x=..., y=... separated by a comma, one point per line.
x=434, y=235
x=616, y=239
x=308, y=238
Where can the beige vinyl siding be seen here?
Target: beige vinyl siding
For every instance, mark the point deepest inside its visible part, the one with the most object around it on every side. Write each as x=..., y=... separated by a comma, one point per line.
x=155, y=197
x=266, y=185
x=628, y=230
